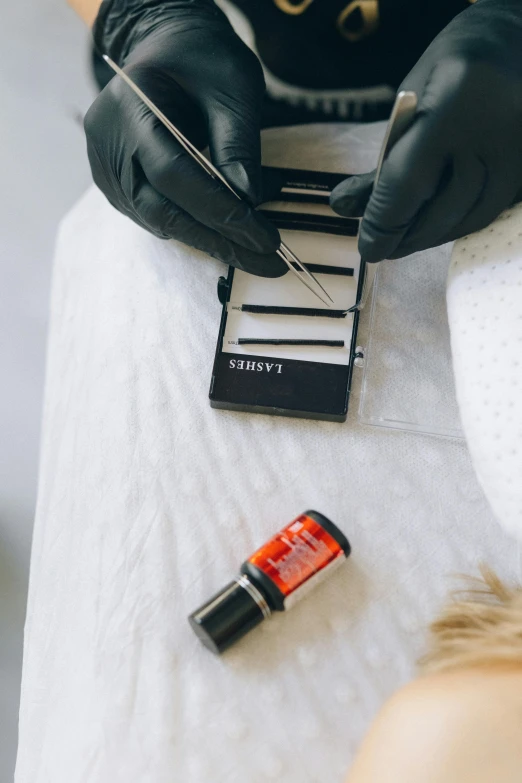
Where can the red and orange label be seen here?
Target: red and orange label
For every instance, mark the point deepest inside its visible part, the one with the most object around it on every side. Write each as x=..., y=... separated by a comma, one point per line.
x=296, y=553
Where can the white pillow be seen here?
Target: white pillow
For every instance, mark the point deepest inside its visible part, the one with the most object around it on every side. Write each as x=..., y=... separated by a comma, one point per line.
x=485, y=314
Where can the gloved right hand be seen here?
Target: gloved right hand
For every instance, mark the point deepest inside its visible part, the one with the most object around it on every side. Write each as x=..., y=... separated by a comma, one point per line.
x=188, y=60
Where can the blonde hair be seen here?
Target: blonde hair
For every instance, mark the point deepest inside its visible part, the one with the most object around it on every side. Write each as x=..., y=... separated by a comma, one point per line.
x=481, y=626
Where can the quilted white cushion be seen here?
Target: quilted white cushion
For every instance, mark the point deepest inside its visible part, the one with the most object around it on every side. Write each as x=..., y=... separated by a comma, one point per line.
x=485, y=314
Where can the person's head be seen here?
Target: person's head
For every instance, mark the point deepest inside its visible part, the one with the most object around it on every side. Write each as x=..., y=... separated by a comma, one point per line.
x=461, y=720
x=480, y=627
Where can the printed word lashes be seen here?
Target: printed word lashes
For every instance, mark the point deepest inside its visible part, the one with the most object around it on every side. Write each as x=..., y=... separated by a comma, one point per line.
x=243, y=364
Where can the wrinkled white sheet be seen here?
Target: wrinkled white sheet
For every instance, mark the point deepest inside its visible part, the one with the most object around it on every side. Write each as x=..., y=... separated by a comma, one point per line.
x=149, y=500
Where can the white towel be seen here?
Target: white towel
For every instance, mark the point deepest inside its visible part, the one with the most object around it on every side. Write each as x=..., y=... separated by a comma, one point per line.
x=149, y=500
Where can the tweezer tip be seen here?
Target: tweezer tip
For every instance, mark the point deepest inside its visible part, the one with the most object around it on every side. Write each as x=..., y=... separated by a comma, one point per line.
x=106, y=58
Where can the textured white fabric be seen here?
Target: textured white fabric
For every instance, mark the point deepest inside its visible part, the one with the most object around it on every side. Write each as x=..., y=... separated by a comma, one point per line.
x=485, y=312
x=149, y=500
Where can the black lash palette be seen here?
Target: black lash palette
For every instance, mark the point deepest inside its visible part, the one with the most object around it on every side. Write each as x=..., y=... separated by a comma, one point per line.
x=280, y=351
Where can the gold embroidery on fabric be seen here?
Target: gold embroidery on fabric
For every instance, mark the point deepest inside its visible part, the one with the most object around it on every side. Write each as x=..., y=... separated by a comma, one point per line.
x=368, y=12
x=294, y=9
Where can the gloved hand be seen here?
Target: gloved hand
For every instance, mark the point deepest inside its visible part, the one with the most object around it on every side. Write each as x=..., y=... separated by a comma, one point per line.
x=189, y=61
x=460, y=163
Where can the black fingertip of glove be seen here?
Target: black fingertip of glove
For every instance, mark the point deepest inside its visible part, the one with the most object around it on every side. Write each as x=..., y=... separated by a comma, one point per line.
x=253, y=232
x=369, y=258
x=272, y=180
x=270, y=265
x=402, y=253
x=371, y=249
x=351, y=196
x=267, y=266
x=261, y=236
x=245, y=179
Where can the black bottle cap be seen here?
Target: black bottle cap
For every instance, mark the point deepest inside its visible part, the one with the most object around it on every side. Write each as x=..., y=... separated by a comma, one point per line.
x=229, y=615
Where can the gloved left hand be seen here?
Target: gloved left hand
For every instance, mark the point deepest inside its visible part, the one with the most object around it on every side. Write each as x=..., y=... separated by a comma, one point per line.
x=459, y=165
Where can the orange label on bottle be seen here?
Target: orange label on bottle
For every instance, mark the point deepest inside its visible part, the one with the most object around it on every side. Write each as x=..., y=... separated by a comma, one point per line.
x=296, y=553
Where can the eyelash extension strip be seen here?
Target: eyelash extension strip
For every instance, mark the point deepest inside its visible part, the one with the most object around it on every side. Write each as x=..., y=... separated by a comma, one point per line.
x=327, y=269
x=299, y=185
x=274, y=310
x=323, y=224
x=256, y=341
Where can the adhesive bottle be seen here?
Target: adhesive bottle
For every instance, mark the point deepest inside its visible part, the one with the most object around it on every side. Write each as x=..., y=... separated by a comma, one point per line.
x=272, y=579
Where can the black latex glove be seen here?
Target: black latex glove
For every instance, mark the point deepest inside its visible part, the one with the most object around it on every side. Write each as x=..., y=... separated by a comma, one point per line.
x=460, y=163
x=188, y=60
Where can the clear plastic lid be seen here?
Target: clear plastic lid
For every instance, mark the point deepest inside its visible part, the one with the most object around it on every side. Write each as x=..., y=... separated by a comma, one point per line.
x=408, y=378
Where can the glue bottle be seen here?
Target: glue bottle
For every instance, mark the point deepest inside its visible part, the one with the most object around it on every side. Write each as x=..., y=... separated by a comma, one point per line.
x=284, y=569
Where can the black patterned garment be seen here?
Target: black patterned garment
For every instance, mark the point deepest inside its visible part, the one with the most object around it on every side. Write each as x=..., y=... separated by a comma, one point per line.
x=330, y=60
x=337, y=59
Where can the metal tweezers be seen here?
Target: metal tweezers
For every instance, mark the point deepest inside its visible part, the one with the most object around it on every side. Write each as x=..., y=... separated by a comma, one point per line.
x=283, y=252
x=402, y=115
